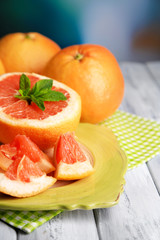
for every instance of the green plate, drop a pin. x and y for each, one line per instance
(100, 190)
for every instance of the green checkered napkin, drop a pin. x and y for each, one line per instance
(138, 137)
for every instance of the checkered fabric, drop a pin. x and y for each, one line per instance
(27, 221)
(138, 137)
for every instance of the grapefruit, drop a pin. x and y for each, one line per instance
(20, 146)
(23, 169)
(42, 127)
(73, 161)
(2, 69)
(24, 179)
(28, 52)
(93, 72)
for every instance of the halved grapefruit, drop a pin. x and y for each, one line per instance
(43, 127)
(20, 146)
(72, 159)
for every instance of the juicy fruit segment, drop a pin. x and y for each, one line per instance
(25, 189)
(73, 160)
(68, 150)
(25, 146)
(23, 169)
(20, 174)
(21, 146)
(20, 109)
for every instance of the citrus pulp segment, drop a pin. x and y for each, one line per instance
(72, 159)
(20, 146)
(21, 189)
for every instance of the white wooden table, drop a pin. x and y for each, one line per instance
(137, 216)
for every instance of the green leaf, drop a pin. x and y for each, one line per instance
(24, 83)
(42, 86)
(22, 97)
(38, 102)
(53, 96)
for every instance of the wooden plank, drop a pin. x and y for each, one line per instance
(154, 168)
(146, 99)
(154, 68)
(141, 91)
(39, 233)
(7, 232)
(154, 165)
(137, 216)
(69, 225)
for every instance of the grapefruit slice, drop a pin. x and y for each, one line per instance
(22, 169)
(72, 159)
(23, 179)
(43, 127)
(17, 188)
(20, 146)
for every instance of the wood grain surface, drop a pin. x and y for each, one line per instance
(137, 216)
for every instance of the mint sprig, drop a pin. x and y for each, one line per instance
(40, 92)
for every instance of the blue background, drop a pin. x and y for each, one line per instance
(129, 28)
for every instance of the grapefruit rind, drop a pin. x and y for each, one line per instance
(42, 132)
(21, 189)
(73, 171)
(77, 170)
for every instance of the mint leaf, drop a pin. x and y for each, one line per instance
(53, 96)
(24, 83)
(40, 92)
(42, 86)
(38, 102)
(22, 97)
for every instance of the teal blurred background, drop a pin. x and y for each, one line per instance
(130, 29)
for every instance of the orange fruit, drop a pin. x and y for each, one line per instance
(21, 146)
(42, 127)
(94, 73)
(28, 52)
(72, 160)
(23, 179)
(2, 69)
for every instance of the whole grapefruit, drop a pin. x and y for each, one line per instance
(26, 52)
(94, 73)
(2, 69)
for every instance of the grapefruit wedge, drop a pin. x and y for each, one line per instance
(20, 146)
(43, 127)
(72, 159)
(24, 179)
